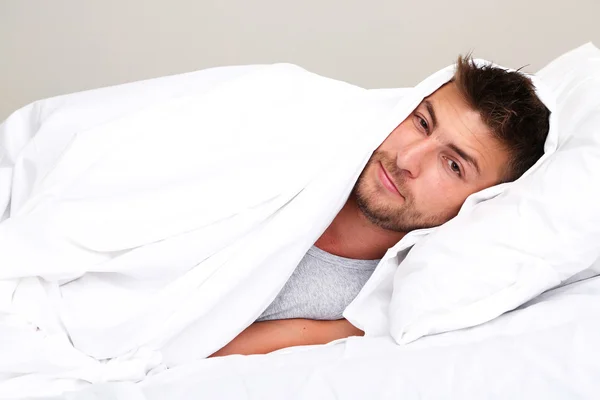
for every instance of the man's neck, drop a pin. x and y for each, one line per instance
(352, 235)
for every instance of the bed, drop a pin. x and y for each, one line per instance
(518, 329)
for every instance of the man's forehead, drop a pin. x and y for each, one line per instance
(448, 94)
(452, 113)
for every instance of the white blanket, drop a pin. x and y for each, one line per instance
(146, 225)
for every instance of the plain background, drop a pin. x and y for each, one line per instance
(61, 46)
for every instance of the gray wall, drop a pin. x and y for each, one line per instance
(60, 46)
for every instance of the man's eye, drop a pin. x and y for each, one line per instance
(423, 123)
(454, 167)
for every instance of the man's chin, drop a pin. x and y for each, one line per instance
(380, 215)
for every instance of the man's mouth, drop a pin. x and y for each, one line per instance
(387, 182)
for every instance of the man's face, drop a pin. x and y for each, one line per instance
(422, 173)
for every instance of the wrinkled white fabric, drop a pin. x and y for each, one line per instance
(146, 225)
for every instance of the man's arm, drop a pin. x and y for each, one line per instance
(267, 336)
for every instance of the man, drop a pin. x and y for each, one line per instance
(485, 127)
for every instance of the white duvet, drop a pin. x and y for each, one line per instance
(146, 225)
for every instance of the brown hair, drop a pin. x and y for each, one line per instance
(509, 106)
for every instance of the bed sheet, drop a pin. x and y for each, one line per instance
(546, 349)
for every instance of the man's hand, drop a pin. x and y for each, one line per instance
(267, 336)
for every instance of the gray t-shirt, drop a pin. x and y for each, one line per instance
(321, 287)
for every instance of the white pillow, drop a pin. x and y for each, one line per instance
(537, 233)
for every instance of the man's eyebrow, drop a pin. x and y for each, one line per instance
(431, 112)
(465, 156)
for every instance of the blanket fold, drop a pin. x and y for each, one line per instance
(155, 233)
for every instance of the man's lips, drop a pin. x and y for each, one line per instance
(387, 181)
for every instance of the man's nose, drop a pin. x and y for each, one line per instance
(412, 157)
